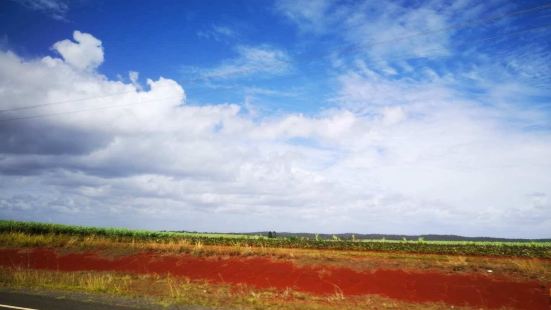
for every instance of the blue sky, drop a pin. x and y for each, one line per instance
(326, 116)
(192, 36)
(185, 36)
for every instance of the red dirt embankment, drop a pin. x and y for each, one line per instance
(453, 289)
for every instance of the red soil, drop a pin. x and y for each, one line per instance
(453, 289)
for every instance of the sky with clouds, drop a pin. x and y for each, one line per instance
(405, 117)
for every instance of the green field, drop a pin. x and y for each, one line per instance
(514, 249)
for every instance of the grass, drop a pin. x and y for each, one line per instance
(45, 228)
(508, 249)
(514, 267)
(166, 291)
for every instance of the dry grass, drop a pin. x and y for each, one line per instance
(518, 268)
(167, 291)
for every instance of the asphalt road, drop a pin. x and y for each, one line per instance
(22, 301)
(46, 300)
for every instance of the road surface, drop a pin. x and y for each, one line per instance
(23, 301)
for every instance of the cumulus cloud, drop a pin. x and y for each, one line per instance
(85, 53)
(390, 158)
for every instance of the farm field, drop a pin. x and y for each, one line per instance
(275, 154)
(255, 272)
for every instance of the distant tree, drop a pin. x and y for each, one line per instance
(270, 235)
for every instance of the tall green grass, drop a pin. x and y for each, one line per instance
(516, 249)
(137, 234)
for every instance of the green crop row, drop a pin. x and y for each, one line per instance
(518, 249)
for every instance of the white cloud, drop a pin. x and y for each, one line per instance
(258, 61)
(397, 157)
(393, 31)
(368, 90)
(381, 31)
(310, 16)
(86, 53)
(218, 33)
(393, 115)
(57, 9)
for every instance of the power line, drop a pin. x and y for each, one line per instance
(71, 101)
(468, 24)
(453, 26)
(478, 40)
(456, 26)
(81, 110)
(485, 39)
(464, 51)
(61, 102)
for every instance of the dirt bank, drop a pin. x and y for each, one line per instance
(462, 290)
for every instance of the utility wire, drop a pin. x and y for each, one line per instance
(71, 100)
(61, 102)
(456, 26)
(486, 39)
(82, 110)
(468, 24)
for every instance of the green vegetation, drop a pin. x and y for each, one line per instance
(47, 228)
(517, 249)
